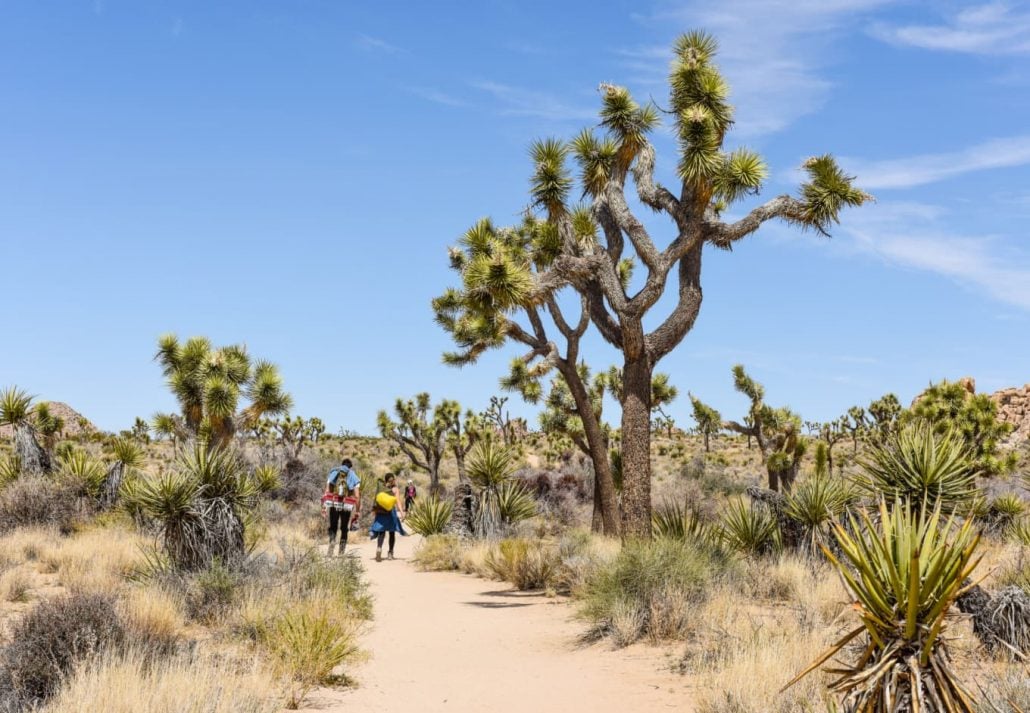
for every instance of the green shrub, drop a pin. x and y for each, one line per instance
(430, 516)
(528, 564)
(747, 529)
(439, 553)
(212, 592)
(1004, 511)
(51, 640)
(816, 501)
(649, 589)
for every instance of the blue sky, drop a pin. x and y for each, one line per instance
(289, 175)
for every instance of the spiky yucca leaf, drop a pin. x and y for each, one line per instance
(748, 529)
(828, 191)
(83, 472)
(127, 452)
(15, 406)
(742, 174)
(490, 464)
(676, 520)
(515, 503)
(816, 501)
(265, 478)
(918, 464)
(10, 469)
(551, 182)
(430, 516)
(905, 568)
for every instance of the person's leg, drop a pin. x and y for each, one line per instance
(334, 523)
(393, 539)
(379, 546)
(345, 516)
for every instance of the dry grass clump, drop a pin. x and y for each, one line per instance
(528, 564)
(154, 618)
(1006, 690)
(95, 560)
(26, 544)
(650, 589)
(132, 683)
(15, 585)
(439, 553)
(30, 501)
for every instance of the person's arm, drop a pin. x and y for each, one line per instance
(400, 500)
(357, 496)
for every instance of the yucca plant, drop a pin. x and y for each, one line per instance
(10, 469)
(515, 502)
(266, 478)
(678, 521)
(200, 507)
(748, 529)
(905, 568)
(499, 502)
(919, 465)
(430, 516)
(82, 473)
(16, 411)
(815, 502)
(1019, 531)
(1003, 511)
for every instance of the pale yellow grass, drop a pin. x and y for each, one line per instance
(154, 614)
(15, 585)
(95, 560)
(131, 684)
(26, 544)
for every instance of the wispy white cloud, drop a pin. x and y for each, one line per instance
(930, 168)
(993, 28)
(773, 52)
(517, 101)
(917, 236)
(376, 44)
(437, 97)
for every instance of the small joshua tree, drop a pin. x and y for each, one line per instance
(586, 247)
(420, 434)
(777, 431)
(709, 421)
(212, 385)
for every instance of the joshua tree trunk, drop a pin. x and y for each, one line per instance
(708, 448)
(606, 508)
(112, 483)
(636, 448)
(35, 460)
(459, 458)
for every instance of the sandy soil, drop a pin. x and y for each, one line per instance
(452, 642)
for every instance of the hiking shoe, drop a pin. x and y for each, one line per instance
(389, 555)
(379, 555)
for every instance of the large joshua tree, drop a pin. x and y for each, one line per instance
(211, 385)
(587, 247)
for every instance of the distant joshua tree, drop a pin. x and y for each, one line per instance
(709, 421)
(421, 432)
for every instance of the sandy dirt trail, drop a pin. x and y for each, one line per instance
(452, 642)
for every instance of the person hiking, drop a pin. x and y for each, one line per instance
(387, 518)
(409, 495)
(342, 499)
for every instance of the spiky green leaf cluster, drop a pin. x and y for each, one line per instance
(551, 182)
(905, 568)
(921, 465)
(211, 384)
(430, 516)
(709, 421)
(15, 406)
(827, 191)
(748, 529)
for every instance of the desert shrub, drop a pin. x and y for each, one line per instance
(52, 639)
(439, 553)
(920, 465)
(210, 593)
(14, 585)
(307, 645)
(36, 500)
(430, 516)
(154, 620)
(1006, 691)
(750, 530)
(649, 589)
(905, 568)
(135, 683)
(528, 564)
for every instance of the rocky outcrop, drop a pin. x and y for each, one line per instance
(1014, 407)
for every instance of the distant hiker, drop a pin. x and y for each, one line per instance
(342, 501)
(387, 519)
(409, 495)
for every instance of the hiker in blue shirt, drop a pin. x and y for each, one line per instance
(343, 501)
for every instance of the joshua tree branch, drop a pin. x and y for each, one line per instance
(723, 235)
